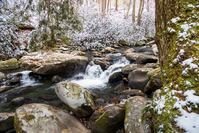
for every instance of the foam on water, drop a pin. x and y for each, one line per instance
(95, 77)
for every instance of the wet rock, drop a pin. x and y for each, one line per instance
(130, 93)
(6, 121)
(76, 98)
(138, 78)
(110, 121)
(99, 102)
(56, 79)
(14, 81)
(35, 118)
(9, 64)
(140, 43)
(130, 50)
(133, 113)
(6, 88)
(143, 59)
(109, 50)
(115, 77)
(18, 101)
(120, 88)
(155, 81)
(103, 62)
(155, 49)
(2, 77)
(96, 54)
(128, 68)
(50, 63)
(132, 57)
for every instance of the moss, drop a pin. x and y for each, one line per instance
(18, 125)
(29, 117)
(101, 122)
(152, 73)
(9, 64)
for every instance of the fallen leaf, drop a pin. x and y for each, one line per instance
(63, 130)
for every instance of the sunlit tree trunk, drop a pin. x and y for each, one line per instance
(129, 5)
(103, 8)
(177, 34)
(133, 12)
(116, 2)
(146, 30)
(140, 13)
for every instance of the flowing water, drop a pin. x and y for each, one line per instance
(41, 89)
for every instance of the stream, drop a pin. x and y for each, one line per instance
(40, 89)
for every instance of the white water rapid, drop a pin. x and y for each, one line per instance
(95, 77)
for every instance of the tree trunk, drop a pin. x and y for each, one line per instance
(140, 12)
(133, 12)
(177, 34)
(129, 5)
(116, 5)
(146, 30)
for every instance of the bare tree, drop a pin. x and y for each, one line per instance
(140, 12)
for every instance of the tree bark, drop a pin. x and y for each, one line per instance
(133, 12)
(140, 13)
(116, 2)
(177, 34)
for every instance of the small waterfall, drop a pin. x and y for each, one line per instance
(26, 80)
(95, 77)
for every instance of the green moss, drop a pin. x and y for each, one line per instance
(9, 64)
(101, 122)
(18, 125)
(29, 117)
(152, 73)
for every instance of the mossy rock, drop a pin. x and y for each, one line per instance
(140, 43)
(124, 43)
(110, 121)
(9, 64)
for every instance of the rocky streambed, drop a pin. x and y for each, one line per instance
(96, 91)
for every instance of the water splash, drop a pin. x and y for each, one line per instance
(95, 77)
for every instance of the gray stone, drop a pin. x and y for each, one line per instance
(50, 63)
(109, 50)
(144, 59)
(140, 43)
(133, 115)
(131, 93)
(130, 67)
(132, 57)
(76, 98)
(115, 77)
(42, 118)
(120, 88)
(130, 50)
(6, 121)
(138, 78)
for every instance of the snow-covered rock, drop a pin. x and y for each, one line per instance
(42, 118)
(155, 49)
(76, 98)
(50, 63)
(133, 113)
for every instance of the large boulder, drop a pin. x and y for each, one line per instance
(2, 77)
(130, 50)
(103, 62)
(6, 121)
(132, 57)
(110, 121)
(50, 63)
(143, 59)
(9, 64)
(130, 67)
(133, 115)
(42, 118)
(138, 78)
(76, 98)
(120, 88)
(155, 81)
(115, 77)
(131, 93)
